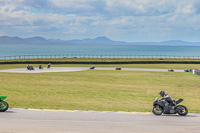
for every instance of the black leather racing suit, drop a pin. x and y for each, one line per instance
(168, 99)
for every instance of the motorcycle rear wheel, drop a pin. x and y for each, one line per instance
(157, 112)
(182, 110)
(4, 107)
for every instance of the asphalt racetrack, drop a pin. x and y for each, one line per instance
(35, 121)
(71, 69)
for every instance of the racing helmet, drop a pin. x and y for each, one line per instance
(162, 93)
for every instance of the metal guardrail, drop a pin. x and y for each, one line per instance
(195, 71)
(97, 56)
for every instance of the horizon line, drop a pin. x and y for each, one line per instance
(101, 37)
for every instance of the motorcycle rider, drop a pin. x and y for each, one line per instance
(49, 65)
(27, 66)
(167, 98)
(39, 66)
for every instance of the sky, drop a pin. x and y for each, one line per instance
(122, 20)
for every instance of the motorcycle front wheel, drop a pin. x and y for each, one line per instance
(157, 111)
(182, 110)
(3, 106)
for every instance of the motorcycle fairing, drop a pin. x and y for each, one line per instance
(2, 98)
(160, 103)
(169, 110)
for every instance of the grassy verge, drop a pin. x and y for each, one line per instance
(98, 90)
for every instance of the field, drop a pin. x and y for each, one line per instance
(129, 91)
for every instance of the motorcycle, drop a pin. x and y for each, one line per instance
(41, 67)
(186, 70)
(30, 68)
(3, 105)
(170, 70)
(48, 66)
(93, 67)
(118, 68)
(160, 108)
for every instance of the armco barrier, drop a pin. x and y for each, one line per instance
(195, 71)
(96, 62)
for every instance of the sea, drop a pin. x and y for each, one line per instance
(17, 49)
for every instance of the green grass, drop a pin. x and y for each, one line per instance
(128, 91)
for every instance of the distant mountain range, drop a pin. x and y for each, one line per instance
(96, 41)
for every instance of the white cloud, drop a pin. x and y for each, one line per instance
(72, 3)
(139, 7)
(129, 19)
